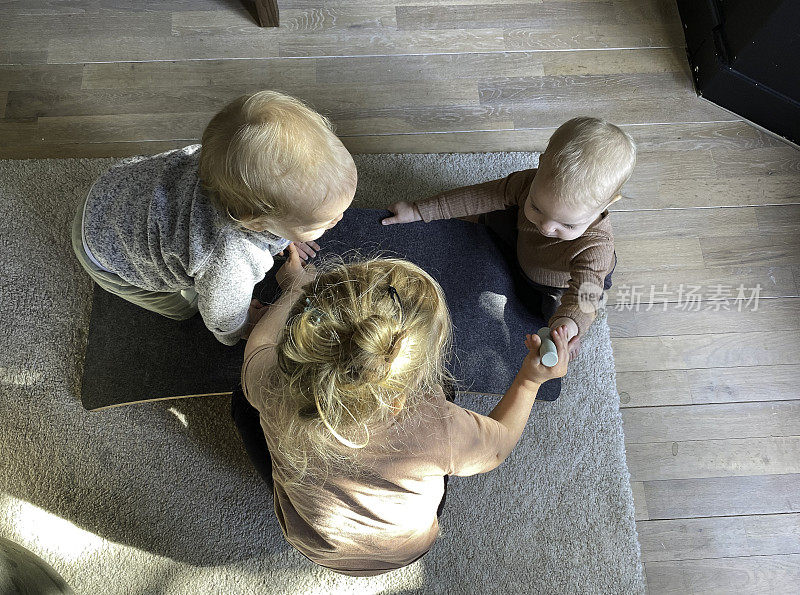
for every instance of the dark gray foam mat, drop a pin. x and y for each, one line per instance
(134, 355)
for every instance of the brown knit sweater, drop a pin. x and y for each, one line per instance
(547, 261)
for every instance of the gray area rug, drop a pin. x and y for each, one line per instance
(160, 497)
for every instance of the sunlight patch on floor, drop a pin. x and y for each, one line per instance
(36, 528)
(19, 376)
(494, 304)
(181, 417)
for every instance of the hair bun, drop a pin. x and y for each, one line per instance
(375, 343)
(395, 346)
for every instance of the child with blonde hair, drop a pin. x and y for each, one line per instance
(346, 372)
(555, 219)
(195, 229)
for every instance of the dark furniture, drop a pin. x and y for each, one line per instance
(267, 13)
(744, 57)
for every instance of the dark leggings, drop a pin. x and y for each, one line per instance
(248, 424)
(247, 421)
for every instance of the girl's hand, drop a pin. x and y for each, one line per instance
(532, 371)
(404, 212)
(306, 250)
(293, 274)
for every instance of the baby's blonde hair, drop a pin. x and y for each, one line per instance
(266, 155)
(587, 161)
(363, 336)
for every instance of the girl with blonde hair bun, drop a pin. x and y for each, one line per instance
(345, 373)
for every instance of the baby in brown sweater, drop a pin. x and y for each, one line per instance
(555, 217)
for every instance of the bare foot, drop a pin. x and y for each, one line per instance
(574, 347)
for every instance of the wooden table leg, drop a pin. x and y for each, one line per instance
(267, 13)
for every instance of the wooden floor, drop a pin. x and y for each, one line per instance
(710, 393)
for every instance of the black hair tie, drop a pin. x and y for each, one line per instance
(395, 298)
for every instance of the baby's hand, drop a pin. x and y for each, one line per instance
(404, 212)
(533, 370)
(574, 345)
(292, 273)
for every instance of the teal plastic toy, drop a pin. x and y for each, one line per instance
(547, 351)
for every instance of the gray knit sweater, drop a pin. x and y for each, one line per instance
(150, 221)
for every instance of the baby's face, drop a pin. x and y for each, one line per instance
(308, 226)
(553, 219)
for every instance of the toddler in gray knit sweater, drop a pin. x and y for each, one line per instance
(195, 229)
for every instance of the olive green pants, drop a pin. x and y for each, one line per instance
(178, 305)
